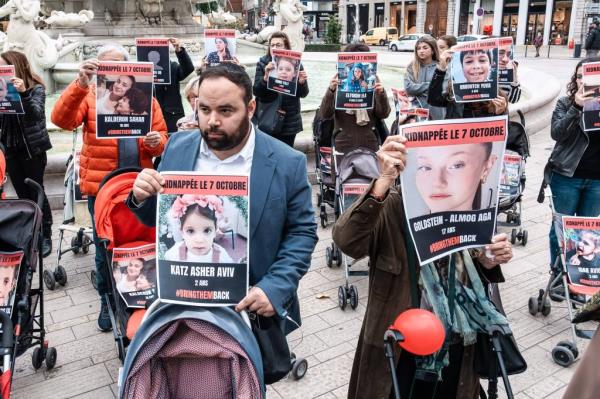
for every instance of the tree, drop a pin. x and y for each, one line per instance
(333, 32)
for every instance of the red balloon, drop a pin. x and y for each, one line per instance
(422, 330)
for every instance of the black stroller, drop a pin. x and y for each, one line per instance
(322, 135)
(23, 306)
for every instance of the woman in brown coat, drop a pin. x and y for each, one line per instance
(373, 227)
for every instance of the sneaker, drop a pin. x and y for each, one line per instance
(46, 246)
(104, 319)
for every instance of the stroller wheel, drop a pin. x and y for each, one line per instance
(513, 236)
(571, 346)
(86, 245)
(353, 297)
(329, 257)
(532, 305)
(50, 358)
(60, 275)
(49, 280)
(524, 236)
(323, 220)
(338, 257)
(546, 308)
(94, 281)
(319, 199)
(37, 358)
(342, 297)
(75, 246)
(563, 356)
(299, 368)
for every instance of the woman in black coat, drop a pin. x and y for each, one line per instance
(25, 137)
(292, 124)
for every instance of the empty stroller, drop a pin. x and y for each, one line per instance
(513, 179)
(23, 306)
(322, 132)
(117, 227)
(180, 351)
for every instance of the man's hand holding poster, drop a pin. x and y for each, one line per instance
(10, 100)
(506, 64)
(582, 250)
(203, 239)
(474, 71)
(219, 46)
(450, 184)
(124, 99)
(357, 75)
(156, 51)
(283, 78)
(134, 272)
(591, 92)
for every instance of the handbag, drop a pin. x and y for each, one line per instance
(486, 359)
(270, 117)
(273, 346)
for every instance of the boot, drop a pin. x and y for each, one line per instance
(46, 246)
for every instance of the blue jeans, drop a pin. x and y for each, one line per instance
(572, 196)
(101, 266)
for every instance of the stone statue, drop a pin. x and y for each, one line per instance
(292, 11)
(262, 36)
(60, 19)
(41, 51)
(150, 11)
(221, 18)
(176, 16)
(108, 18)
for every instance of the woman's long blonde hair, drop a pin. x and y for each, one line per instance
(415, 66)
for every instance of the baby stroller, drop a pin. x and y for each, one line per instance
(76, 220)
(322, 131)
(117, 227)
(180, 351)
(23, 306)
(513, 179)
(354, 167)
(560, 288)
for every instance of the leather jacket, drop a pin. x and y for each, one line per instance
(571, 141)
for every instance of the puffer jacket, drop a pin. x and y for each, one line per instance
(77, 105)
(290, 104)
(32, 125)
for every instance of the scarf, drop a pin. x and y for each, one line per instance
(362, 116)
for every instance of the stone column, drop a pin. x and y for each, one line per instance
(343, 19)
(421, 11)
(522, 23)
(497, 28)
(577, 25)
(548, 20)
(476, 20)
(450, 20)
(371, 24)
(456, 17)
(386, 13)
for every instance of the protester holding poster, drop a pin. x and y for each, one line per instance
(25, 137)
(356, 73)
(582, 250)
(508, 81)
(356, 127)
(219, 45)
(419, 73)
(10, 100)
(155, 51)
(99, 157)
(376, 226)
(284, 76)
(134, 273)
(591, 90)
(282, 228)
(290, 105)
(574, 170)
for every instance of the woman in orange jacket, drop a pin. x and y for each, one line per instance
(77, 105)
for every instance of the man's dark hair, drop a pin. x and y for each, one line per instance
(357, 48)
(232, 72)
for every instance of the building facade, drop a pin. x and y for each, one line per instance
(559, 21)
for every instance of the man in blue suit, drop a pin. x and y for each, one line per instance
(282, 224)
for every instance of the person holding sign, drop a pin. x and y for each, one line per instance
(507, 67)
(99, 157)
(25, 137)
(376, 226)
(221, 54)
(282, 226)
(290, 105)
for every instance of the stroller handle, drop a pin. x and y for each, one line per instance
(7, 333)
(39, 191)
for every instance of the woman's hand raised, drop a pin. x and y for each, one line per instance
(86, 71)
(500, 250)
(392, 160)
(270, 66)
(445, 59)
(499, 104)
(334, 83)
(302, 77)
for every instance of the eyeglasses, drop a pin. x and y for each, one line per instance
(579, 76)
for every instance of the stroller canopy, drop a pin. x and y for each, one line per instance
(359, 165)
(180, 351)
(114, 220)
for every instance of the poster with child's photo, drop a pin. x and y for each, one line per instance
(404, 106)
(450, 183)
(155, 51)
(219, 45)
(474, 71)
(357, 75)
(10, 99)
(510, 179)
(202, 239)
(591, 91)
(283, 78)
(506, 63)
(582, 250)
(124, 99)
(134, 273)
(10, 263)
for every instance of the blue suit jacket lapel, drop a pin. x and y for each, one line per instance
(261, 175)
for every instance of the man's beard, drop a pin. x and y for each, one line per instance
(227, 141)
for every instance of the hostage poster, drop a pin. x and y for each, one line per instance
(591, 90)
(10, 99)
(357, 74)
(474, 71)
(506, 65)
(284, 77)
(124, 99)
(134, 272)
(202, 238)
(351, 192)
(511, 175)
(582, 250)
(404, 106)
(450, 183)
(10, 263)
(219, 45)
(156, 51)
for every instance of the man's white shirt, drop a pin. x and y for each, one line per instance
(237, 164)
